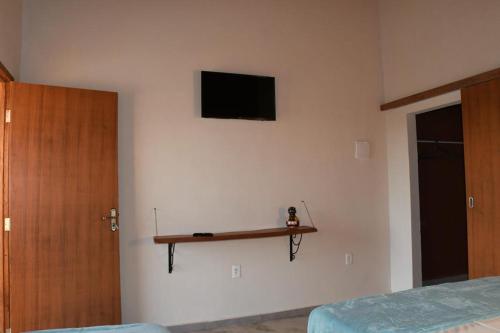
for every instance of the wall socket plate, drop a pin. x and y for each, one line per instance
(236, 271)
(348, 258)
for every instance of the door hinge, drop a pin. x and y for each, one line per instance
(6, 224)
(471, 202)
(7, 115)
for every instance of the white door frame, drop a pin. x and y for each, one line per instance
(404, 209)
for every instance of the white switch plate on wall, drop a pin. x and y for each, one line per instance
(362, 150)
(236, 271)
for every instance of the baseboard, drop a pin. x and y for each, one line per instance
(187, 328)
(455, 278)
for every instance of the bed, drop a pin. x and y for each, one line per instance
(129, 328)
(468, 306)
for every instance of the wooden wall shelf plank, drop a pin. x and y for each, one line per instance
(262, 233)
(171, 240)
(457, 85)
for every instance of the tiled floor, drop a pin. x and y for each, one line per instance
(290, 325)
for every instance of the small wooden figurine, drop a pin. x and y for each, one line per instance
(293, 220)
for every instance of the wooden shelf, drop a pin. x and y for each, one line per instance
(262, 233)
(292, 233)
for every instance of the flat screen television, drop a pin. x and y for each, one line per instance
(237, 96)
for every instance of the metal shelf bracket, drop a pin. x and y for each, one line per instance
(294, 246)
(171, 251)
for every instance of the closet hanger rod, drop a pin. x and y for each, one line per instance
(442, 141)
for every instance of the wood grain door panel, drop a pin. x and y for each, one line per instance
(481, 120)
(4, 287)
(64, 260)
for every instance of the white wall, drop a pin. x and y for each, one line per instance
(425, 43)
(220, 175)
(10, 35)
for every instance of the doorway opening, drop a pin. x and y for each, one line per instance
(441, 182)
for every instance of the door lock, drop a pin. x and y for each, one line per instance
(112, 217)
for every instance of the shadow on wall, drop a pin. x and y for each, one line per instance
(127, 198)
(197, 93)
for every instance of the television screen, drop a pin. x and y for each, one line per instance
(237, 96)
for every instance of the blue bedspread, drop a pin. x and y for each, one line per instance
(427, 309)
(129, 328)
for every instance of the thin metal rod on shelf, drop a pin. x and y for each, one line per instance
(441, 141)
(156, 222)
(307, 210)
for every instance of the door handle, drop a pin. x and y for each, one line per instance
(471, 202)
(112, 217)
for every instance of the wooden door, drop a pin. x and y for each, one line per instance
(4, 287)
(481, 120)
(62, 178)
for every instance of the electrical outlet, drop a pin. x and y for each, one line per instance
(236, 271)
(348, 259)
